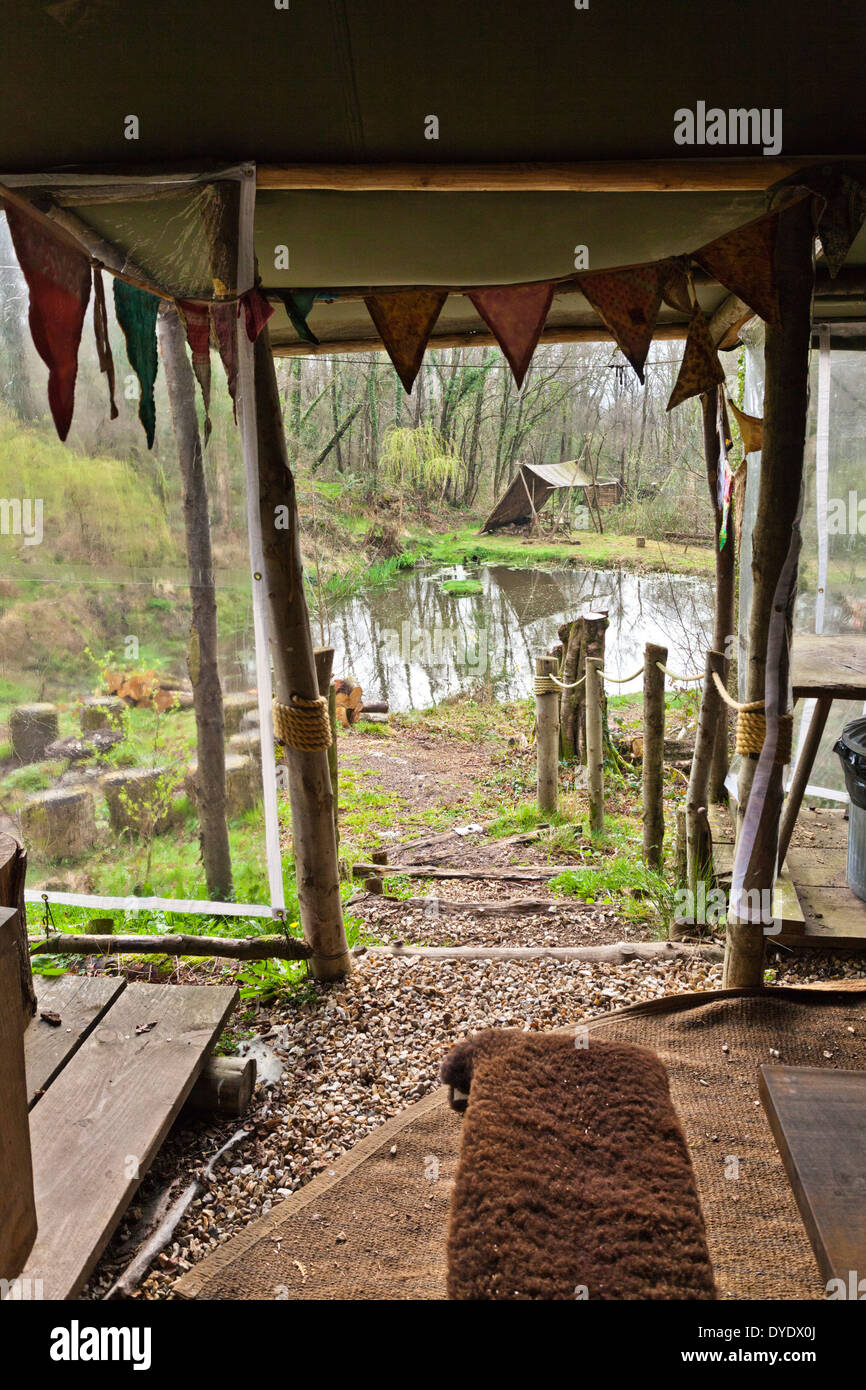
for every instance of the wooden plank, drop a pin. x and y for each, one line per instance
(834, 666)
(834, 918)
(821, 826)
(97, 1128)
(818, 1119)
(746, 173)
(786, 903)
(17, 1209)
(81, 1001)
(721, 825)
(819, 866)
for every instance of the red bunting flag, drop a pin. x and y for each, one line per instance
(58, 278)
(257, 311)
(404, 322)
(744, 262)
(224, 318)
(515, 315)
(196, 318)
(700, 369)
(627, 301)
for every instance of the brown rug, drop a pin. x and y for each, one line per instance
(574, 1177)
(375, 1226)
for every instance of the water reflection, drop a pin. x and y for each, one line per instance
(413, 644)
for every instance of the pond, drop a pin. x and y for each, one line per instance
(414, 643)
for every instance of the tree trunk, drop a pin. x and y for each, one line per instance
(653, 769)
(203, 639)
(723, 622)
(310, 794)
(786, 398)
(547, 737)
(696, 799)
(595, 744)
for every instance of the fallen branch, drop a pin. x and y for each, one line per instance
(517, 874)
(508, 907)
(238, 947)
(135, 1271)
(618, 954)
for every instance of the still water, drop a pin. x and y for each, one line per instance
(412, 643)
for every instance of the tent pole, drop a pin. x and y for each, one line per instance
(774, 542)
(310, 791)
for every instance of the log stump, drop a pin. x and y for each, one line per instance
(243, 784)
(31, 729)
(60, 823)
(101, 712)
(234, 709)
(137, 799)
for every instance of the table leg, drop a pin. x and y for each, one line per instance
(802, 773)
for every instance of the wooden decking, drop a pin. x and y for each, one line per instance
(812, 899)
(104, 1086)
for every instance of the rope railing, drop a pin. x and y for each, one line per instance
(546, 685)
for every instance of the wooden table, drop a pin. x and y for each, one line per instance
(818, 1119)
(823, 669)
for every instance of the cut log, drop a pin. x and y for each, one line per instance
(349, 700)
(225, 1086)
(516, 873)
(507, 907)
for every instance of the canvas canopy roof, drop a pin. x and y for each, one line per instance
(537, 481)
(289, 89)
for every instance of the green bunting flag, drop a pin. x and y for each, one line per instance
(136, 313)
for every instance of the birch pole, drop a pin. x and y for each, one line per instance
(547, 734)
(786, 400)
(310, 792)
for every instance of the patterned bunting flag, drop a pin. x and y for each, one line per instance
(627, 301)
(103, 342)
(257, 311)
(841, 219)
(700, 369)
(136, 313)
(677, 287)
(515, 315)
(743, 261)
(224, 318)
(751, 429)
(196, 318)
(404, 322)
(58, 278)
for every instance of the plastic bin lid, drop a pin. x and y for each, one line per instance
(853, 738)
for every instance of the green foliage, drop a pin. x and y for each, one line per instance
(622, 880)
(459, 587)
(418, 461)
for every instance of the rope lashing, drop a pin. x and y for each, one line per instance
(752, 726)
(548, 685)
(303, 724)
(682, 680)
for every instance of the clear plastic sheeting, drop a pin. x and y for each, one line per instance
(833, 557)
(98, 745)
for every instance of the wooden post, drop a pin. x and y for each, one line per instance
(723, 620)
(17, 1206)
(225, 1086)
(571, 701)
(324, 659)
(653, 754)
(595, 744)
(697, 826)
(376, 884)
(802, 772)
(310, 793)
(547, 736)
(210, 774)
(786, 393)
(13, 870)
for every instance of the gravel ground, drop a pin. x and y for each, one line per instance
(356, 1055)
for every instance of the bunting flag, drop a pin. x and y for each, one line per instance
(677, 290)
(257, 311)
(136, 313)
(224, 318)
(298, 304)
(841, 219)
(196, 319)
(743, 261)
(515, 316)
(700, 369)
(751, 429)
(740, 479)
(58, 278)
(103, 342)
(404, 322)
(627, 301)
